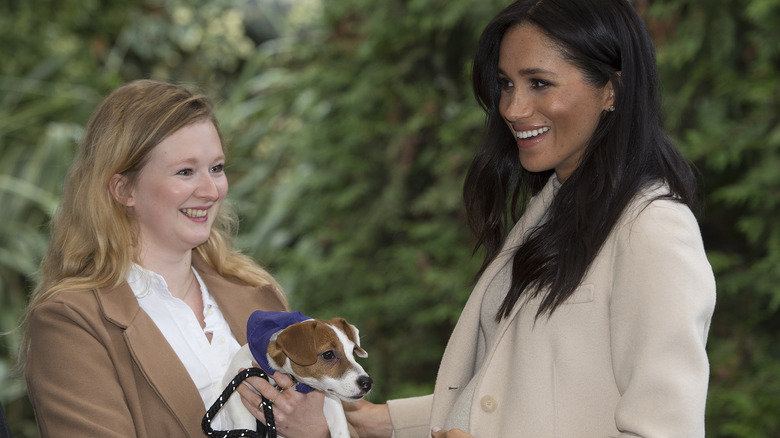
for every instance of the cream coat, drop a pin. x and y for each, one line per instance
(99, 367)
(625, 356)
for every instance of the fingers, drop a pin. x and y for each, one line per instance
(369, 419)
(295, 413)
(452, 433)
(283, 381)
(255, 388)
(300, 414)
(250, 392)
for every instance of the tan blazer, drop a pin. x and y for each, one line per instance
(98, 365)
(624, 356)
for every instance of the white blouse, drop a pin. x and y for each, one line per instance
(206, 362)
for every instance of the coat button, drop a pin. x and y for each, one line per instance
(488, 404)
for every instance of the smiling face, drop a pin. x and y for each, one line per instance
(546, 102)
(177, 194)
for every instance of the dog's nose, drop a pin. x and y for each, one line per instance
(365, 383)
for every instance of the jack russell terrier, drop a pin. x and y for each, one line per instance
(316, 353)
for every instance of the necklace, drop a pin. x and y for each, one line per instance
(189, 287)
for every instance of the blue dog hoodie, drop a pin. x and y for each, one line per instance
(259, 329)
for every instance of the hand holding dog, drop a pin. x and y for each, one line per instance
(296, 414)
(373, 421)
(370, 420)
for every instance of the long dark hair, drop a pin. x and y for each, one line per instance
(608, 42)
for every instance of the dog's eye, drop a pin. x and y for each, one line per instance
(328, 355)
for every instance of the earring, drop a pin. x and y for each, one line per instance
(611, 108)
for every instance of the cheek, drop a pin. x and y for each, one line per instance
(576, 120)
(586, 125)
(151, 195)
(221, 184)
(176, 193)
(222, 187)
(563, 110)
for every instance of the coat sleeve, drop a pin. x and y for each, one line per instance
(70, 378)
(411, 416)
(661, 306)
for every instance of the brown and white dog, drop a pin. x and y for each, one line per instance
(317, 353)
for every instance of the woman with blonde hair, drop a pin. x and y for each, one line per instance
(143, 300)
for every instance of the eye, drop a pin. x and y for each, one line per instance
(539, 83)
(504, 83)
(219, 168)
(328, 356)
(185, 172)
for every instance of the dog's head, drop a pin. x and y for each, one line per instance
(320, 353)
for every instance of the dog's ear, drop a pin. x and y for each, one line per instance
(352, 333)
(297, 342)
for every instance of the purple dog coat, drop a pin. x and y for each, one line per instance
(259, 329)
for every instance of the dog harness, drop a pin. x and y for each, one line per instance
(261, 327)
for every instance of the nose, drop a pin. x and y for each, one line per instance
(515, 106)
(365, 383)
(207, 188)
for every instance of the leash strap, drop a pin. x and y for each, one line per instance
(263, 430)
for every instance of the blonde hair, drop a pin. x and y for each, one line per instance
(93, 238)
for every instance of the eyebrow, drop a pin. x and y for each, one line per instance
(191, 161)
(530, 72)
(183, 162)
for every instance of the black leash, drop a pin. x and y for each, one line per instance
(263, 430)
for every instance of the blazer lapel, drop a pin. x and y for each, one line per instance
(533, 217)
(236, 299)
(155, 358)
(457, 365)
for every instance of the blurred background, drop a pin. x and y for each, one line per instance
(351, 124)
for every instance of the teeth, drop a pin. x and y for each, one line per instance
(194, 213)
(532, 133)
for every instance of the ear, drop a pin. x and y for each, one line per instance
(120, 190)
(609, 94)
(297, 342)
(352, 333)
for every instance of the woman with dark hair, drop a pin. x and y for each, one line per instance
(591, 313)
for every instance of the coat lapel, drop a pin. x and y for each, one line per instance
(236, 300)
(154, 357)
(458, 363)
(533, 217)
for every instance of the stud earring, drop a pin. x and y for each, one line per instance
(611, 108)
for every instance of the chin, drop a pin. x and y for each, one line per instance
(534, 168)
